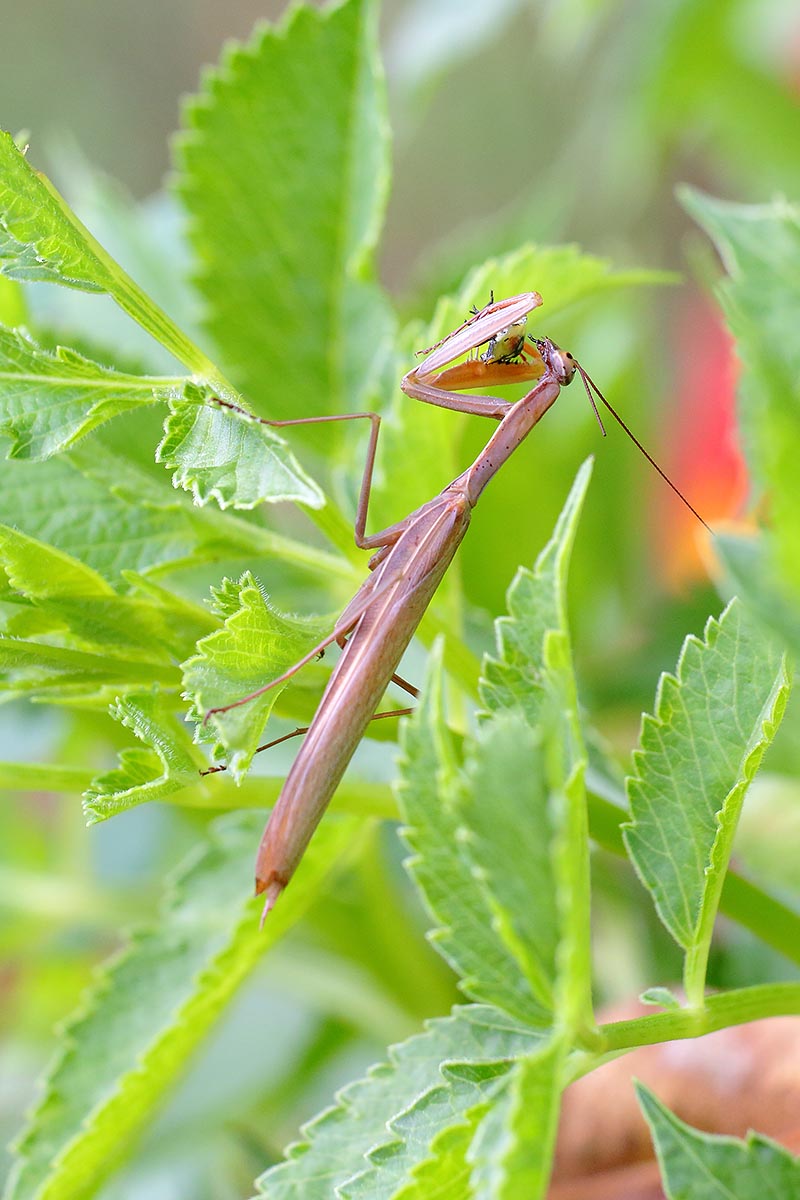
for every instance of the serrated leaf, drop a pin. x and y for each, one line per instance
(507, 804)
(256, 644)
(76, 604)
(446, 1171)
(479, 1040)
(58, 671)
(40, 239)
(60, 505)
(533, 675)
(427, 792)
(699, 752)
(103, 509)
(434, 1134)
(503, 801)
(702, 1166)
(760, 246)
(519, 677)
(226, 456)
(50, 400)
(168, 763)
(513, 1150)
(284, 238)
(155, 1003)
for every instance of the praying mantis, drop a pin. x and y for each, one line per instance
(410, 557)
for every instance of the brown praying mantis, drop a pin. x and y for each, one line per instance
(410, 559)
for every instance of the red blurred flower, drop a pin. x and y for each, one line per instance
(703, 456)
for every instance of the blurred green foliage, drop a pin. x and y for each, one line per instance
(541, 123)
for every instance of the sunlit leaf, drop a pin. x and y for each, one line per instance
(256, 644)
(50, 400)
(167, 763)
(229, 457)
(284, 172)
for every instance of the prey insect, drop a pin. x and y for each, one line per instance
(410, 557)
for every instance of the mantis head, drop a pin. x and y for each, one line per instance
(559, 361)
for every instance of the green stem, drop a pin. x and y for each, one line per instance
(735, 1007)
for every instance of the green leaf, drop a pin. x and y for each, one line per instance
(432, 1138)
(750, 566)
(760, 246)
(284, 172)
(519, 795)
(513, 1151)
(57, 503)
(105, 510)
(75, 603)
(168, 764)
(50, 400)
(699, 752)
(475, 1044)
(701, 1166)
(503, 802)
(230, 457)
(428, 793)
(60, 672)
(445, 1171)
(40, 572)
(39, 238)
(256, 644)
(533, 674)
(42, 240)
(520, 677)
(155, 1003)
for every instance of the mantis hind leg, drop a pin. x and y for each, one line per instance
(301, 729)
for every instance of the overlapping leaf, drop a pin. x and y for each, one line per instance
(465, 825)
(429, 793)
(512, 1152)
(167, 763)
(42, 240)
(474, 1045)
(256, 644)
(50, 400)
(71, 601)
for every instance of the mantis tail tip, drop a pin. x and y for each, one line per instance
(273, 891)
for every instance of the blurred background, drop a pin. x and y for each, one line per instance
(513, 121)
